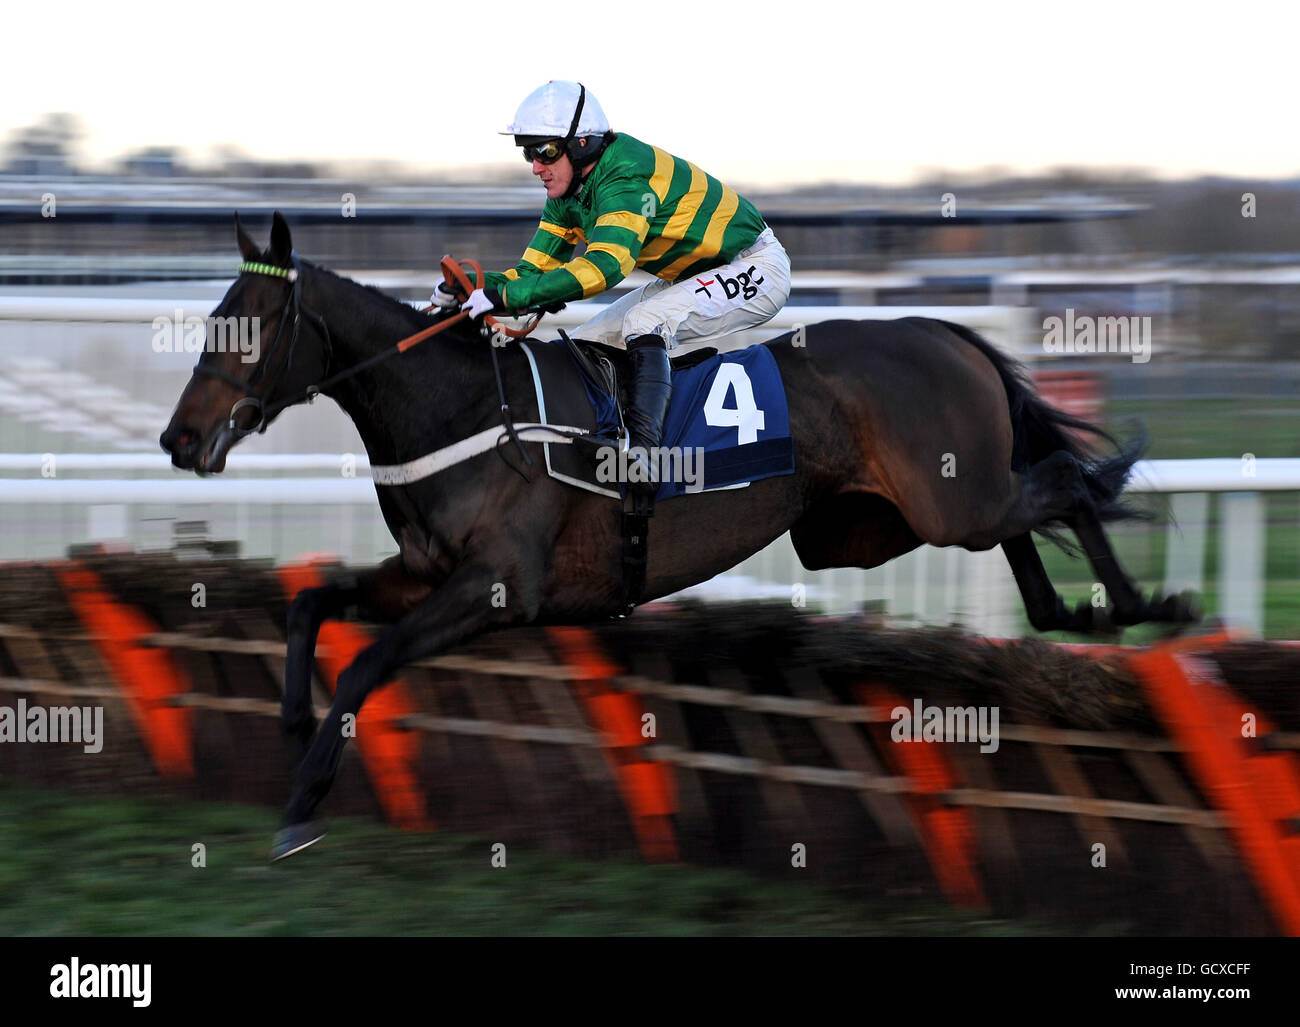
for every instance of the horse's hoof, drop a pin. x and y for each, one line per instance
(1181, 612)
(1097, 621)
(1186, 607)
(295, 838)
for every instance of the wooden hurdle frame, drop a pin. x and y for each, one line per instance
(934, 798)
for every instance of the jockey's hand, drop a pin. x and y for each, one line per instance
(444, 297)
(482, 301)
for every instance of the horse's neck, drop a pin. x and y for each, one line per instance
(406, 404)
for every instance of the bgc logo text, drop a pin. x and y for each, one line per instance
(744, 284)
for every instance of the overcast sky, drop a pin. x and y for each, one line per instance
(757, 93)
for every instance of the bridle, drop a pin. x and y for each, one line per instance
(292, 312)
(294, 308)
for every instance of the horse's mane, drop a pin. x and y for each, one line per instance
(413, 314)
(374, 290)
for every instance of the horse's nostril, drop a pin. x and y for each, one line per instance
(176, 439)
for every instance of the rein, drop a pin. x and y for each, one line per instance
(294, 307)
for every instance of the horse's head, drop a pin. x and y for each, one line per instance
(251, 357)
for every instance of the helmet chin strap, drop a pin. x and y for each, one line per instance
(576, 184)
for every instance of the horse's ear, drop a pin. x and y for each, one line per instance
(247, 248)
(281, 244)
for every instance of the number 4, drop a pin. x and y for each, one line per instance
(745, 415)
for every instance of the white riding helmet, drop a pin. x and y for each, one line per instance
(559, 110)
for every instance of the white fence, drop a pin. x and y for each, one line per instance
(1008, 327)
(280, 516)
(86, 366)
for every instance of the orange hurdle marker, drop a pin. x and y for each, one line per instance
(947, 833)
(147, 677)
(648, 788)
(1257, 791)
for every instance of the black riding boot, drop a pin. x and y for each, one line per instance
(652, 387)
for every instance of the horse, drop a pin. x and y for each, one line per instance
(905, 432)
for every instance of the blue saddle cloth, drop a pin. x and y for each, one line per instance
(731, 406)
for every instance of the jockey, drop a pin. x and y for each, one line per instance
(718, 268)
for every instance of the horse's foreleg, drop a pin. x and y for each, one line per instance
(460, 608)
(309, 609)
(381, 594)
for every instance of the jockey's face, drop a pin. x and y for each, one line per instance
(558, 175)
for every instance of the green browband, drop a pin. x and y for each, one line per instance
(268, 269)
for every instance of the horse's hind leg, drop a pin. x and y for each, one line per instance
(1046, 609)
(1050, 490)
(1130, 607)
(1054, 489)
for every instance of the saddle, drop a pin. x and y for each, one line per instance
(605, 370)
(731, 406)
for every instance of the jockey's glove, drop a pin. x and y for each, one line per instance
(482, 301)
(444, 297)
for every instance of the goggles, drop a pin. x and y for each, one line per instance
(546, 153)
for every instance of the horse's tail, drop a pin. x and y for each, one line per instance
(1040, 429)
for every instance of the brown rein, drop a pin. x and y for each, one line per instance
(454, 274)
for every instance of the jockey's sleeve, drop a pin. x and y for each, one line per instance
(552, 244)
(549, 274)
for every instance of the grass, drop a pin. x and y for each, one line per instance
(70, 865)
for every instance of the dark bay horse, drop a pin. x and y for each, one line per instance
(905, 432)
